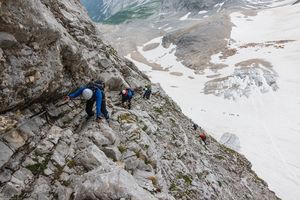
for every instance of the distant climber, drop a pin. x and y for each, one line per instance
(195, 126)
(127, 95)
(93, 92)
(147, 92)
(200, 133)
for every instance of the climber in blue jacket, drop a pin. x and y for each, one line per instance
(92, 93)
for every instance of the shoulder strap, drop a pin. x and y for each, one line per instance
(95, 85)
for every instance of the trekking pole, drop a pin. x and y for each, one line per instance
(27, 120)
(38, 114)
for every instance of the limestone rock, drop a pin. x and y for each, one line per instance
(61, 153)
(92, 158)
(112, 152)
(7, 40)
(21, 178)
(5, 153)
(18, 182)
(5, 175)
(62, 192)
(42, 189)
(113, 185)
(146, 180)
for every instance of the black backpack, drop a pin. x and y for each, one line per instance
(96, 85)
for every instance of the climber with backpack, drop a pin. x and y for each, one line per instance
(127, 95)
(200, 133)
(93, 92)
(147, 92)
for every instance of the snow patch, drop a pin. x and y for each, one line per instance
(202, 12)
(185, 17)
(266, 121)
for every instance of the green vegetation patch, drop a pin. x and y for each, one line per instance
(122, 148)
(38, 168)
(145, 127)
(220, 183)
(187, 178)
(58, 171)
(127, 118)
(158, 110)
(173, 187)
(71, 163)
(66, 183)
(219, 157)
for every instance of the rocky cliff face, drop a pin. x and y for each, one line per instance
(49, 151)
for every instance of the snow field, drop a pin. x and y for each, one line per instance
(267, 124)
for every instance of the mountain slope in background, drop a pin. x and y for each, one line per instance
(116, 12)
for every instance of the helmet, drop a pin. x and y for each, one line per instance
(123, 91)
(87, 94)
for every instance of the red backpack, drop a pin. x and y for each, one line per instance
(202, 136)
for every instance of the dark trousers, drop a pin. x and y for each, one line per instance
(89, 108)
(147, 94)
(127, 99)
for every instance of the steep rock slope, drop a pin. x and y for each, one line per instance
(48, 150)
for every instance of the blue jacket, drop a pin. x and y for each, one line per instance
(98, 96)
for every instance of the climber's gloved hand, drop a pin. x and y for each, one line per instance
(67, 98)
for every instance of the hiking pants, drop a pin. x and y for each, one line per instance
(147, 94)
(127, 99)
(129, 102)
(89, 107)
(104, 110)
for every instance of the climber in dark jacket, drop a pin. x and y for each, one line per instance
(147, 92)
(92, 93)
(127, 95)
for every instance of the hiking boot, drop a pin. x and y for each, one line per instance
(88, 117)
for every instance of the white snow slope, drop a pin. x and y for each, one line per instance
(267, 123)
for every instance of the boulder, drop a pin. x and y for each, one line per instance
(5, 175)
(62, 152)
(15, 139)
(42, 189)
(7, 40)
(112, 152)
(116, 184)
(92, 158)
(5, 153)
